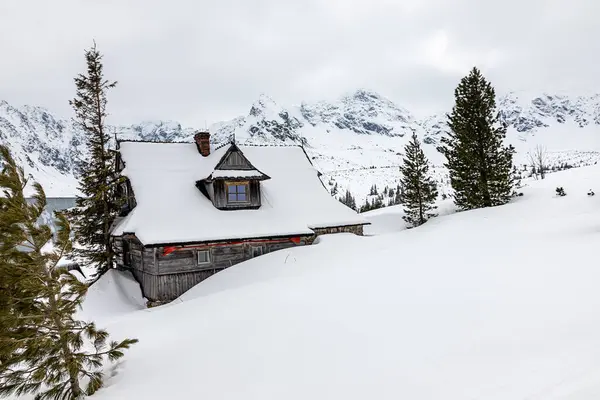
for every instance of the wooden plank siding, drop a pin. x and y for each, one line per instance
(164, 277)
(234, 159)
(171, 286)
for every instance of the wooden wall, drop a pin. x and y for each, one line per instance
(163, 278)
(355, 229)
(125, 192)
(234, 159)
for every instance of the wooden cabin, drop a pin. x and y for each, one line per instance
(192, 210)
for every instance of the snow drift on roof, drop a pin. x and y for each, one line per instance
(237, 173)
(170, 209)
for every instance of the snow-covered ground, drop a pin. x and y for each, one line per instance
(499, 303)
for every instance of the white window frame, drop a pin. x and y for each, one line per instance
(207, 252)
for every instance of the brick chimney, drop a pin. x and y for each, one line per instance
(203, 142)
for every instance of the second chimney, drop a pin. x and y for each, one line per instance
(203, 143)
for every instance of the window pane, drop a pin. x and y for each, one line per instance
(231, 189)
(241, 197)
(241, 189)
(203, 257)
(231, 197)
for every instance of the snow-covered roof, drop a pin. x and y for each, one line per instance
(170, 208)
(237, 173)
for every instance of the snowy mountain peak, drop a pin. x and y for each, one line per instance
(372, 101)
(362, 112)
(263, 105)
(158, 131)
(365, 95)
(528, 112)
(359, 130)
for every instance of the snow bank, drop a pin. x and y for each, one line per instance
(114, 295)
(389, 219)
(499, 303)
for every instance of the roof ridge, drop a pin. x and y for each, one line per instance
(149, 141)
(268, 145)
(217, 146)
(222, 145)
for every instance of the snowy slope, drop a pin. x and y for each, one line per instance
(506, 307)
(356, 140)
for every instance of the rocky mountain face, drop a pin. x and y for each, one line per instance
(360, 131)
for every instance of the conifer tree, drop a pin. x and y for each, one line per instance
(334, 190)
(349, 200)
(98, 205)
(365, 207)
(46, 351)
(420, 190)
(480, 166)
(12, 260)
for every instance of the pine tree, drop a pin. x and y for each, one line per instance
(99, 205)
(365, 207)
(377, 203)
(480, 166)
(349, 200)
(419, 188)
(334, 190)
(12, 259)
(45, 350)
(399, 192)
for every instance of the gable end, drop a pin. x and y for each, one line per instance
(234, 159)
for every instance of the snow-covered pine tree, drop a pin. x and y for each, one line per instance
(45, 350)
(349, 200)
(420, 189)
(365, 207)
(377, 202)
(479, 164)
(398, 198)
(98, 206)
(334, 190)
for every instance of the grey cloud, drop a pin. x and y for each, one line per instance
(201, 60)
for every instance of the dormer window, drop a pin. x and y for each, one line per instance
(234, 184)
(237, 192)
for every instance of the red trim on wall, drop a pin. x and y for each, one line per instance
(170, 249)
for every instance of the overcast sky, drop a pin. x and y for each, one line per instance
(200, 60)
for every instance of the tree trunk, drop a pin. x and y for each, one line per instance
(483, 175)
(420, 197)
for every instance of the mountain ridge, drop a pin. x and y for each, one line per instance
(359, 130)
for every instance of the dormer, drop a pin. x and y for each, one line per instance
(235, 182)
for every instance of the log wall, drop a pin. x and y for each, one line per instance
(356, 229)
(164, 277)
